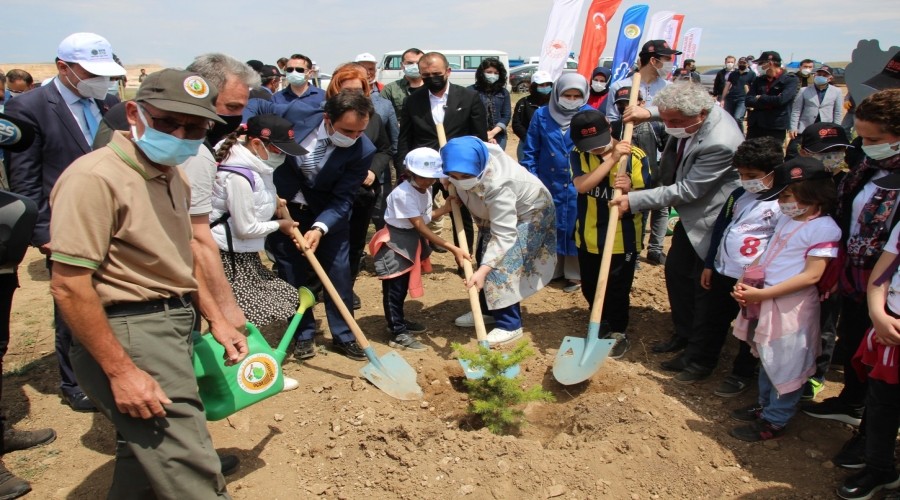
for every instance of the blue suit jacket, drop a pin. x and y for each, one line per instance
(58, 142)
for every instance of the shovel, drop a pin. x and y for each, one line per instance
(390, 373)
(578, 359)
(480, 330)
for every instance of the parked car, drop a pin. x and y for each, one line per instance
(708, 78)
(838, 76)
(520, 77)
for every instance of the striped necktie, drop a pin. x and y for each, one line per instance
(318, 153)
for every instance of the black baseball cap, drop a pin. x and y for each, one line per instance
(768, 56)
(624, 94)
(659, 48)
(257, 65)
(801, 168)
(590, 130)
(889, 78)
(276, 130)
(822, 136)
(267, 71)
(179, 91)
(15, 135)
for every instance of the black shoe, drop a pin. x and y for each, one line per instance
(835, 409)
(852, 454)
(656, 258)
(229, 464)
(674, 344)
(759, 430)
(15, 440)
(305, 349)
(350, 349)
(693, 372)
(676, 364)
(407, 342)
(11, 486)
(750, 413)
(413, 327)
(79, 402)
(865, 483)
(356, 302)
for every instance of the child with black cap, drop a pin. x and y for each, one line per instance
(595, 165)
(785, 332)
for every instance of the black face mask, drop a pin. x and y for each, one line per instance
(742, 67)
(220, 130)
(435, 83)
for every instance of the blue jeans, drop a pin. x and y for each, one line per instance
(659, 225)
(737, 109)
(777, 410)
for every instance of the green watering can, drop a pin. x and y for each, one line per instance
(228, 389)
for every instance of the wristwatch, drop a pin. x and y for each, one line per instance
(319, 229)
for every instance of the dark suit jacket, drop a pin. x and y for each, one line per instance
(59, 141)
(465, 115)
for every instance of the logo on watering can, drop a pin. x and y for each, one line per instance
(257, 373)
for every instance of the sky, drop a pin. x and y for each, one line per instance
(171, 33)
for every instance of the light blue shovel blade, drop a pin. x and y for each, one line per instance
(477, 373)
(392, 374)
(579, 359)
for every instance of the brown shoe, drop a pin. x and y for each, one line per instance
(15, 440)
(11, 486)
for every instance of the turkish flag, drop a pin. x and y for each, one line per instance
(593, 41)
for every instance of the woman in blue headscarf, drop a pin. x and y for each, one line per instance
(514, 212)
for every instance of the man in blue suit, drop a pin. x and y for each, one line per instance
(320, 188)
(66, 114)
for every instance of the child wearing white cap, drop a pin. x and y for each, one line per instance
(401, 247)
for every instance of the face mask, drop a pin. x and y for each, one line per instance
(220, 130)
(296, 78)
(274, 160)
(682, 133)
(881, 151)
(820, 80)
(742, 67)
(94, 88)
(465, 184)
(666, 69)
(436, 83)
(598, 86)
(491, 77)
(411, 70)
(832, 161)
(161, 148)
(805, 71)
(760, 71)
(571, 104)
(790, 209)
(754, 185)
(544, 90)
(729, 66)
(340, 140)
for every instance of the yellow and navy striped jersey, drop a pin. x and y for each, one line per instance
(593, 206)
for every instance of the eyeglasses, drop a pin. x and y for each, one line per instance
(291, 70)
(168, 125)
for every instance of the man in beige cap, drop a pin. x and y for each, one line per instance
(124, 281)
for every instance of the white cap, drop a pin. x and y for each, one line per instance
(424, 162)
(540, 77)
(92, 52)
(365, 57)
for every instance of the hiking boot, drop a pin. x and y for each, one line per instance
(305, 349)
(759, 430)
(467, 320)
(867, 482)
(656, 258)
(15, 440)
(811, 388)
(693, 373)
(350, 349)
(852, 454)
(750, 413)
(11, 486)
(407, 342)
(732, 386)
(835, 409)
(499, 336)
(620, 347)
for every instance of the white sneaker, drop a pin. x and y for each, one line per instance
(500, 337)
(290, 384)
(467, 320)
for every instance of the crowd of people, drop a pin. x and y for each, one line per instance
(153, 213)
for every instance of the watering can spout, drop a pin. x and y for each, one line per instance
(307, 300)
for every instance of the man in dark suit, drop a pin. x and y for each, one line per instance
(458, 108)
(66, 114)
(320, 189)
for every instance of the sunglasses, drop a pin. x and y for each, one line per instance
(291, 70)
(168, 125)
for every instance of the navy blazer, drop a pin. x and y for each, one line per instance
(58, 142)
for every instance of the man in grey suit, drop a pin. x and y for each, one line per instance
(696, 178)
(820, 102)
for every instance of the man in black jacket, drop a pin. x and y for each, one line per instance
(722, 77)
(771, 97)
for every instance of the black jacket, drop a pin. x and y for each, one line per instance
(719, 83)
(772, 103)
(525, 109)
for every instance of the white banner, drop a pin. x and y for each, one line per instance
(690, 43)
(658, 24)
(559, 36)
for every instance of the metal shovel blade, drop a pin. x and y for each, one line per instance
(578, 359)
(392, 374)
(477, 373)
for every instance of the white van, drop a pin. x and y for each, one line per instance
(571, 63)
(462, 62)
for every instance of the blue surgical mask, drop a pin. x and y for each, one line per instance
(544, 90)
(411, 70)
(296, 78)
(820, 80)
(161, 148)
(491, 77)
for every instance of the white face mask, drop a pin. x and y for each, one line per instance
(491, 77)
(881, 151)
(754, 185)
(296, 78)
(598, 86)
(465, 184)
(805, 71)
(666, 69)
(832, 161)
(411, 70)
(93, 88)
(340, 140)
(571, 104)
(729, 66)
(790, 209)
(681, 132)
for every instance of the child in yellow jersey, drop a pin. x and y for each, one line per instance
(595, 165)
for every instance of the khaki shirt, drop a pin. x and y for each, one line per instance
(115, 213)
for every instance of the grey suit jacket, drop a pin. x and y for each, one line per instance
(698, 187)
(807, 107)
